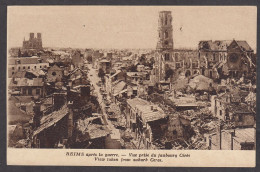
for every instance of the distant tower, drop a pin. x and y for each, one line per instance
(165, 41)
(31, 36)
(39, 35)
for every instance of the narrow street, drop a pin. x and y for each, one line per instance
(94, 79)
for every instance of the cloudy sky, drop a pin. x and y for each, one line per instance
(128, 26)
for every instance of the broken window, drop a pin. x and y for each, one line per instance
(220, 112)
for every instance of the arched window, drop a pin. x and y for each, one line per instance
(166, 34)
(176, 56)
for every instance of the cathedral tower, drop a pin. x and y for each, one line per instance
(164, 63)
(165, 40)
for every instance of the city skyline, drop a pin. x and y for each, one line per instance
(132, 27)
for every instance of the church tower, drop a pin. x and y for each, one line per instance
(165, 39)
(164, 48)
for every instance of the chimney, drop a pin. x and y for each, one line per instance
(70, 119)
(58, 100)
(37, 114)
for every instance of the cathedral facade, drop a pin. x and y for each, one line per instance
(33, 42)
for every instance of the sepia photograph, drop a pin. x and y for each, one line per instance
(173, 78)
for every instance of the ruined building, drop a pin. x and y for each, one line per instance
(213, 59)
(33, 42)
(225, 58)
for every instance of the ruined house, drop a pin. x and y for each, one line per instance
(232, 107)
(28, 87)
(145, 119)
(179, 128)
(233, 139)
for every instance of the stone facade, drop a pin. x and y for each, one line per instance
(33, 42)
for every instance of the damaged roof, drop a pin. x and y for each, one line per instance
(118, 87)
(37, 82)
(136, 101)
(51, 119)
(222, 45)
(245, 135)
(150, 113)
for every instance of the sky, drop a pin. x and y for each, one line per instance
(129, 26)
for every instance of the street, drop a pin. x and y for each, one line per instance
(94, 79)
